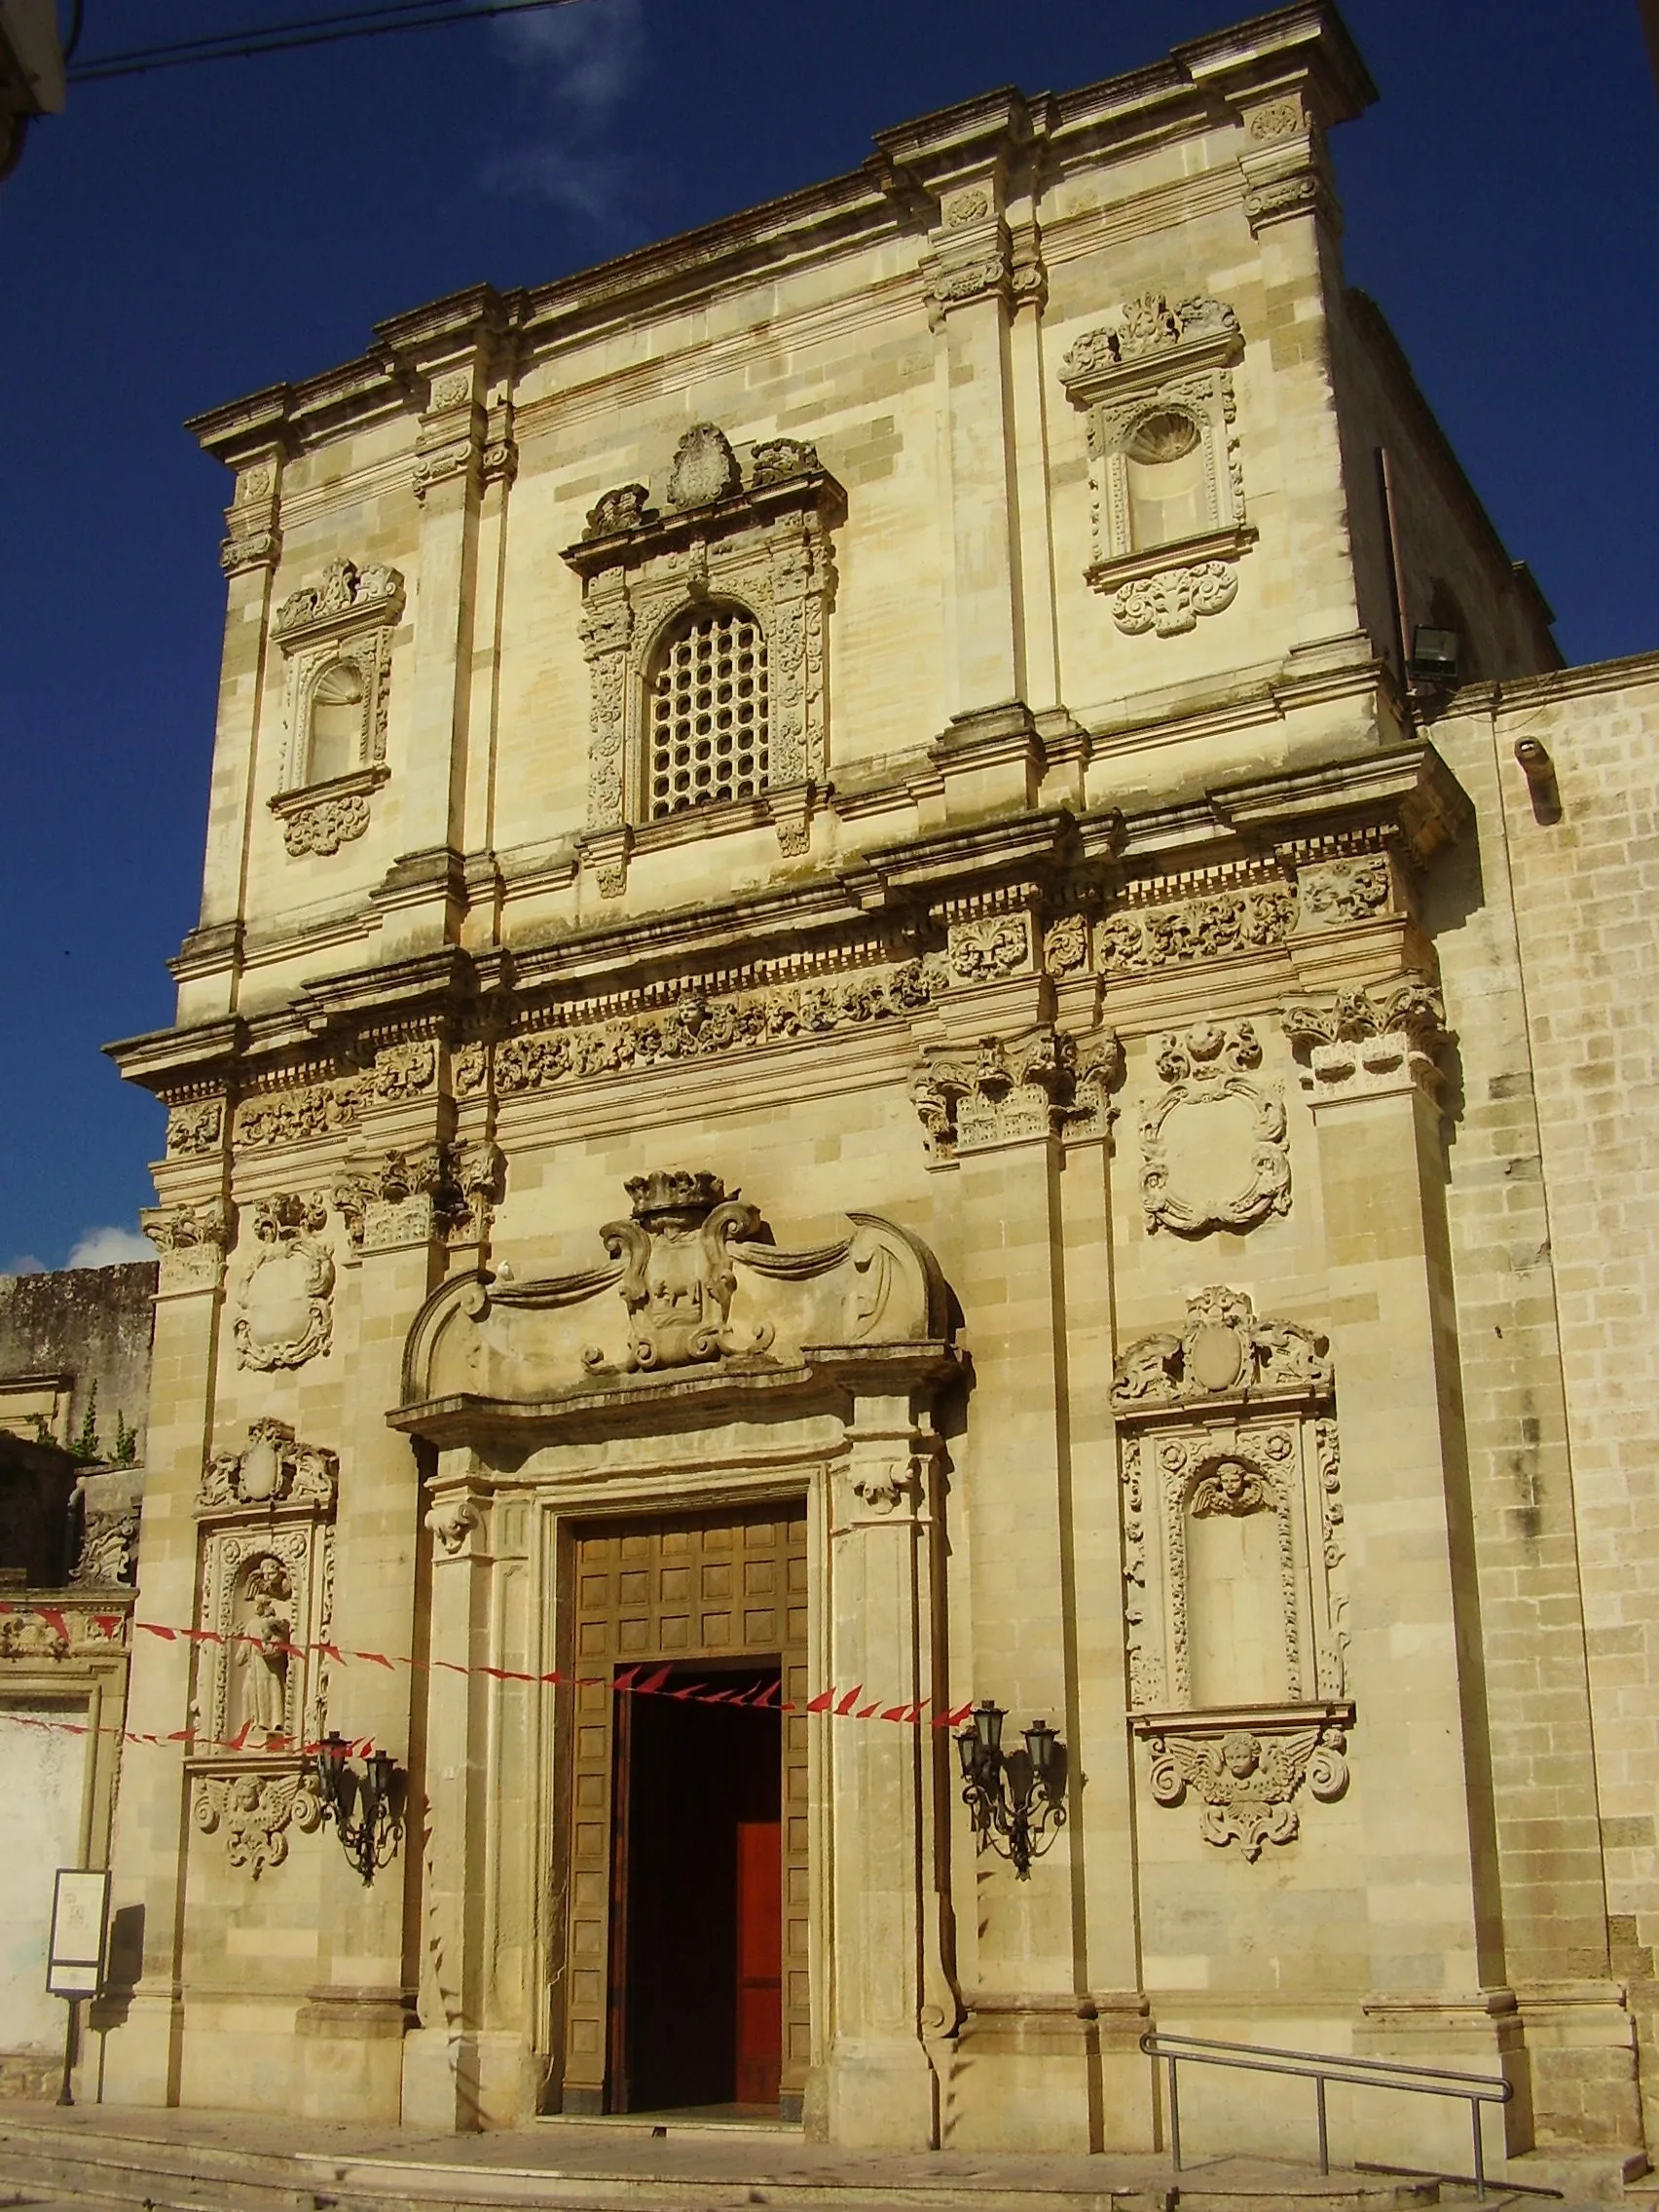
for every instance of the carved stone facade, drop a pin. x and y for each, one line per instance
(917, 1091)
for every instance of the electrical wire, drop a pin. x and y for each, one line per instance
(286, 38)
(77, 23)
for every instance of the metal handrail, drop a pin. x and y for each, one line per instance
(1321, 2067)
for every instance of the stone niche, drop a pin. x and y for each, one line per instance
(1235, 1591)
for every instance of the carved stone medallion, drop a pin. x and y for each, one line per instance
(275, 1470)
(286, 1310)
(1213, 1145)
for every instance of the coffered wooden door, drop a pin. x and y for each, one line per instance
(707, 1588)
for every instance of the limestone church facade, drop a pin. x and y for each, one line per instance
(913, 991)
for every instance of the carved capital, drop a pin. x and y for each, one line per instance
(1049, 1085)
(192, 1241)
(1370, 1044)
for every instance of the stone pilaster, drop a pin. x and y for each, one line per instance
(889, 1996)
(192, 1231)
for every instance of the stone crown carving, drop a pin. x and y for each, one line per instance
(274, 1469)
(1225, 1354)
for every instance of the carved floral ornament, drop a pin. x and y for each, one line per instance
(1213, 1149)
(192, 1242)
(1234, 1574)
(1167, 484)
(759, 546)
(336, 637)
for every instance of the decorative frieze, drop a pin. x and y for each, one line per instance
(1365, 1043)
(405, 1071)
(1353, 889)
(1213, 1149)
(285, 1313)
(291, 1116)
(1211, 926)
(698, 1027)
(987, 950)
(196, 1128)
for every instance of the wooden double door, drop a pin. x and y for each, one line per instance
(688, 1929)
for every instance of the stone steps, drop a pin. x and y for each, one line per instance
(162, 2164)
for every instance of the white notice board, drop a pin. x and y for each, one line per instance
(80, 1910)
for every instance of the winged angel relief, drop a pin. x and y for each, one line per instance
(1249, 1782)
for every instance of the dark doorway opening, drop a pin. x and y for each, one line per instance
(696, 1981)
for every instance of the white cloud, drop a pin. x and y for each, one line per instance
(109, 1248)
(25, 1263)
(577, 64)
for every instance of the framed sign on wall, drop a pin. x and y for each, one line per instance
(80, 1913)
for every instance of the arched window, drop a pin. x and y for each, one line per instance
(708, 718)
(336, 741)
(1169, 495)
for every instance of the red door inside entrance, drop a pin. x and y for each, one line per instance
(759, 1960)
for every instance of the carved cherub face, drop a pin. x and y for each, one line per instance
(1241, 1754)
(268, 1578)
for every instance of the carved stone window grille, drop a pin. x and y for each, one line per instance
(335, 634)
(1166, 488)
(709, 713)
(730, 580)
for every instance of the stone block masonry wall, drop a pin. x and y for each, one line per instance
(90, 1326)
(1582, 889)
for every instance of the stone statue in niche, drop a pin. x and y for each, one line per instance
(677, 1281)
(265, 1648)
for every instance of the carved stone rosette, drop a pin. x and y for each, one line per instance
(1234, 1590)
(1213, 1149)
(1162, 373)
(763, 546)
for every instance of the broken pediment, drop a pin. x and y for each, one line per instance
(695, 1290)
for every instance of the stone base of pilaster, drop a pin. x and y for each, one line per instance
(1025, 2076)
(142, 2049)
(350, 2054)
(880, 2095)
(1582, 2062)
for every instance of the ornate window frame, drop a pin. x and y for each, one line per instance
(757, 539)
(1162, 359)
(1255, 1397)
(348, 616)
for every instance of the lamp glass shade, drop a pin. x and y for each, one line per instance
(968, 1752)
(988, 1720)
(1040, 1743)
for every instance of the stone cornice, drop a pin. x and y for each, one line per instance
(893, 193)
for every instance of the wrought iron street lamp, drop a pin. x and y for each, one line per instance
(1017, 1798)
(361, 1805)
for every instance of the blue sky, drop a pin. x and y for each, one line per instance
(178, 240)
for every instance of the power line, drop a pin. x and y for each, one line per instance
(288, 37)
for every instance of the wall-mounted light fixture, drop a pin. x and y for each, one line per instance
(361, 1804)
(1435, 655)
(1017, 1798)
